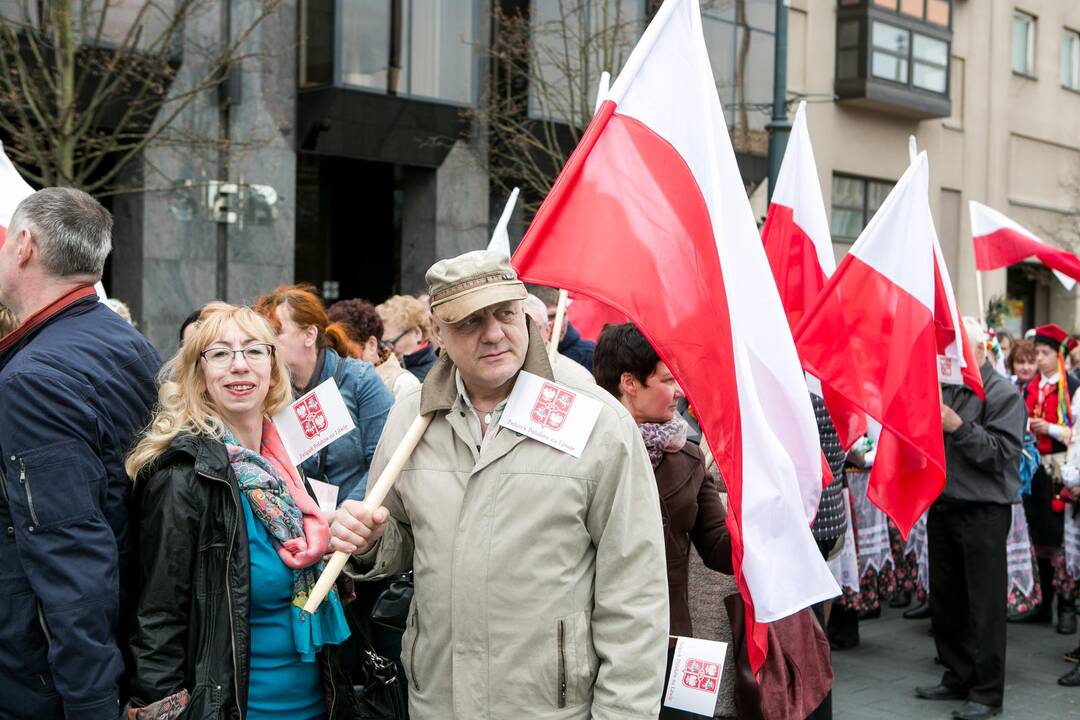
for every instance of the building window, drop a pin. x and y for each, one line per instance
(930, 63)
(1070, 60)
(418, 48)
(936, 12)
(854, 202)
(891, 46)
(1023, 44)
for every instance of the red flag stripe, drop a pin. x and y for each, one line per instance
(794, 262)
(1007, 247)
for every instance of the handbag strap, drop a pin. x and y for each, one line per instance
(321, 467)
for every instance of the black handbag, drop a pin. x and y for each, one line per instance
(378, 682)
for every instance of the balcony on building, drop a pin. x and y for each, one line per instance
(386, 80)
(893, 56)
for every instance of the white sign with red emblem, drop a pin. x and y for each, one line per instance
(551, 413)
(694, 682)
(313, 421)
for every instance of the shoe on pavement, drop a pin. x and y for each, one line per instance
(1073, 656)
(917, 613)
(1071, 678)
(940, 692)
(975, 711)
(901, 600)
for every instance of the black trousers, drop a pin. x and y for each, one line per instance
(968, 586)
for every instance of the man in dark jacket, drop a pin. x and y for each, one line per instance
(967, 528)
(571, 344)
(77, 384)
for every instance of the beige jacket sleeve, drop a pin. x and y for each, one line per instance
(630, 614)
(394, 551)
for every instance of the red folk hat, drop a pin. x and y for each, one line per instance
(1055, 337)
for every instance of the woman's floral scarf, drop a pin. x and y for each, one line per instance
(663, 438)
(301, 536)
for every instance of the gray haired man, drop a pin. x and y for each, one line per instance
(77, 384)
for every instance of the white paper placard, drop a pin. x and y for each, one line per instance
(551, 413)
(949, 370)
(313, 421)
(326, 494)
(694, 682)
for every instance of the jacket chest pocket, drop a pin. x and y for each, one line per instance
(55, 485)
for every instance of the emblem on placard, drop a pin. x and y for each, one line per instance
(552, 406)
(311, 416)
(701, 675)
(945, 366)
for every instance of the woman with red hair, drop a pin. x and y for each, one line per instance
(315, 350)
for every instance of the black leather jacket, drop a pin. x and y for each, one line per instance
(190, 630)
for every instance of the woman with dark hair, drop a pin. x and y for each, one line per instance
(628, 367)
(316, 350)
(366, 329)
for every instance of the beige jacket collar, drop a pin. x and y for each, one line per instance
(439, 390)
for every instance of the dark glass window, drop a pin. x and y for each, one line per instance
(854, 202)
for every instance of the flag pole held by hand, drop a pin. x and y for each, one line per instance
(556, 326)
(372, 500)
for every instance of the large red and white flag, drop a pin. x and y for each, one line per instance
(12, 191)
(1001, 241)
(872, 338)
(798, 244)
(654, 186)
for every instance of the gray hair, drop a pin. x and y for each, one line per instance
(975, 331)
(536, 309)
(72, 230)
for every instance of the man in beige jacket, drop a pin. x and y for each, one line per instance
(541, 587)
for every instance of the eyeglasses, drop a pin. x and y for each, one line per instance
(392, 342)
(257, 354)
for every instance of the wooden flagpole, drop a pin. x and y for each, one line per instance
(372, 500)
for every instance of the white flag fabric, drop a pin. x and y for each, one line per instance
(500, 237)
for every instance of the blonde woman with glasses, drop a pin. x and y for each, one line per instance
(230, 542)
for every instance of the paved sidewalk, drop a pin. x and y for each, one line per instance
(876, 680)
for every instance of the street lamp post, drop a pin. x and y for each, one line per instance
(779, 126)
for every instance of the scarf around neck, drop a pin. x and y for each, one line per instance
(663, 438)
(301, 537)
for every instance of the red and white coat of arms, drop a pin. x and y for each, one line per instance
(310, 414)
(552, 406)
(701, 675)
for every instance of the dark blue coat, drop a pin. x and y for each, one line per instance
(75, 392)
(577, 348)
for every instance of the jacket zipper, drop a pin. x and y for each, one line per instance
(29, 495)
(228, 596)
(412, 655)
(562, 664)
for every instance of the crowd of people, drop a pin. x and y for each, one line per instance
(160, 544)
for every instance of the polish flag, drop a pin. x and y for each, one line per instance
(12, 191)
(872, 338)
(798, 244)
(672, 244)
(1000, 241)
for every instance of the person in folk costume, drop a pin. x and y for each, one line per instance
(1050, 397)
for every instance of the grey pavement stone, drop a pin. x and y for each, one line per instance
(876, 680)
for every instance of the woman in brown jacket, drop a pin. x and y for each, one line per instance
(627, 366)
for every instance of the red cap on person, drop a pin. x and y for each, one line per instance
(1055, 337)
